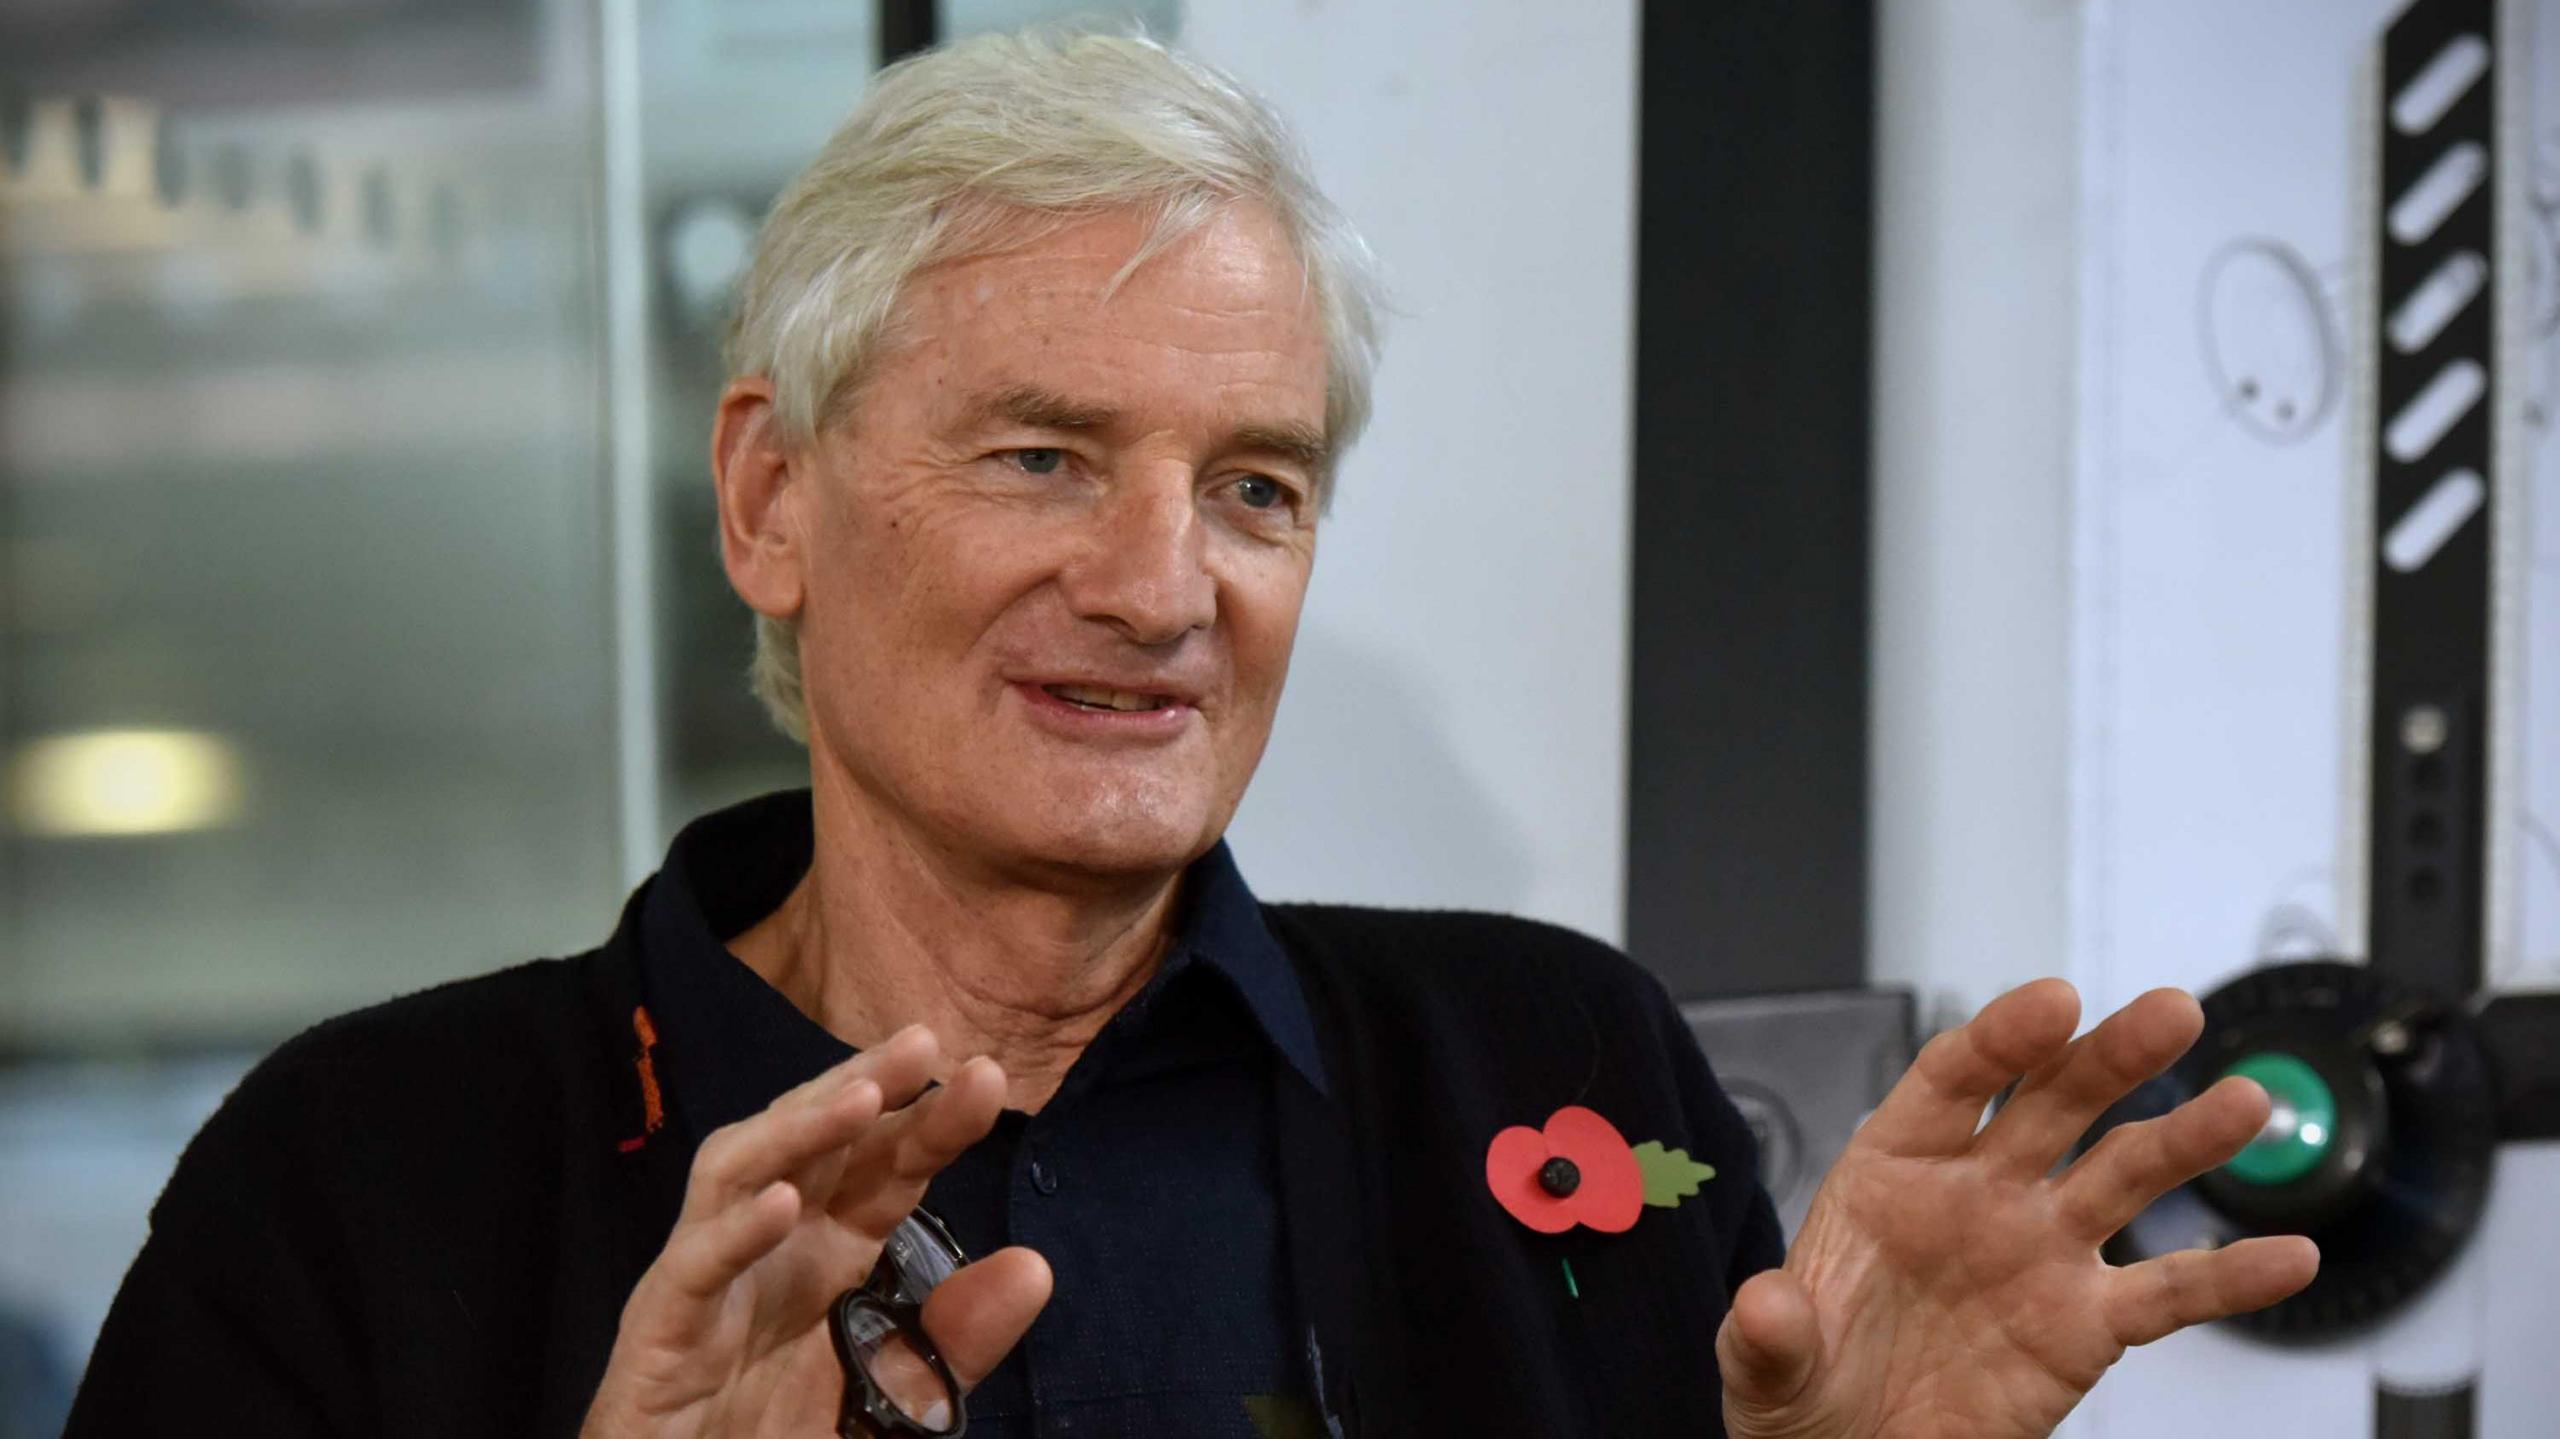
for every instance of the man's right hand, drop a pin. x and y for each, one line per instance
(726, 1334)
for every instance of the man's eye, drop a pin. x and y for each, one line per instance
(1039, 462)
(1261, 492)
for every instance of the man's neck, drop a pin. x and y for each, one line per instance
(886, 930)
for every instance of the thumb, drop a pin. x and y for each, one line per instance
(978, 1314)
(1770, 1343)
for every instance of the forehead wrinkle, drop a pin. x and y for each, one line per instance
(1078, 378)
(1036, 336)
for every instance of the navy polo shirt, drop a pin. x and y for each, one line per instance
(1147, 1181)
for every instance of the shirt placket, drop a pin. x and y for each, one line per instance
(1035, 1210)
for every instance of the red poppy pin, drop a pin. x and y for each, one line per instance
(1580, 1170)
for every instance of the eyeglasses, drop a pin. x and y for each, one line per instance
(895, 1381)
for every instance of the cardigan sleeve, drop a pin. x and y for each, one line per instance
(1745, 1218)
(226, 1323)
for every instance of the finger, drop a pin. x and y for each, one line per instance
(978, 1314)
(904, 1064)
(738, 1160)
(900, 1065)
(886, 1172)
(2137, 1163)
(2057, 1104)
(678, 1300)
(827, 1113)
(1936, 1106)
(1770, 1342)
(960, 1114)
(2159, 1297)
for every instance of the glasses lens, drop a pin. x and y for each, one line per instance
(899, 1373)
(917, 1257)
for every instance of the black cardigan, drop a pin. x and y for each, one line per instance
(423, 1218)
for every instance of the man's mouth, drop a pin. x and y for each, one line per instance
(1095, 697)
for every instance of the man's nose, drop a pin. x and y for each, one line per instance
(1145, 570)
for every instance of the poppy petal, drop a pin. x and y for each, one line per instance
(1511, 1165)
(1611, 1195)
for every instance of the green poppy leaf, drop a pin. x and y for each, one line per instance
(1670, 1175)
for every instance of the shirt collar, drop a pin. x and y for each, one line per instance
(731, 868)
(1223, 928)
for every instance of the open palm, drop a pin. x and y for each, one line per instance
(1947, 1280)
(726, 1334)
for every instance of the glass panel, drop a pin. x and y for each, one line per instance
(307, 580)
(306, 653)
(305, 641)
(734, 100)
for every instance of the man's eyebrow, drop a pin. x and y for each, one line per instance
(1039, 409)
(1301, 445)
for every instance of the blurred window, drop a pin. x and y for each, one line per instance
(321, 388)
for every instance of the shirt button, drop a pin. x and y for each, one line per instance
(1044, 1178)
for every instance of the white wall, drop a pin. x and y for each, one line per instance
(1976, 165)
(1455, 729)
(1455, 732)
(2112, 609)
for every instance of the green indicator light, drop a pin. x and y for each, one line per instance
(2299, 1129)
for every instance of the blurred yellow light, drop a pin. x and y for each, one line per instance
(123, 782)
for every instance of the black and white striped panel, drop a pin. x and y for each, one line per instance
(2436, 387)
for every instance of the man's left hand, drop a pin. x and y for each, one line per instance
(1947, 1279)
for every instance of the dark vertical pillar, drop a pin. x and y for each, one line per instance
(907, 26)
(2430, 739)
(1747, 749)
(2446, 1415)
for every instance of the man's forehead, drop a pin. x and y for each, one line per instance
(1067, 317)
(1237, 266)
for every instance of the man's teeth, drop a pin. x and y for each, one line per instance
(1096, 697)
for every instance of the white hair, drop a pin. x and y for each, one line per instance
(958, 150)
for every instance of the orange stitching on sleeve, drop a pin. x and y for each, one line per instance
(653, 1109)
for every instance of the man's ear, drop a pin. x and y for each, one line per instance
(762, 521)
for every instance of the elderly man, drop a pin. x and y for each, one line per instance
(1041, 378)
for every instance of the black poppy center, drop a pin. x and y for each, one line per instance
(1559, 1176)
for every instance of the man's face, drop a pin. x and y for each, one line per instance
(1054, 551)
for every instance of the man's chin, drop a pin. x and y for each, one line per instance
(1115, 816)
(1121, 852)
(1118, 835)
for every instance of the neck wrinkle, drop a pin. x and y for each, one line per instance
(886, 930)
